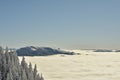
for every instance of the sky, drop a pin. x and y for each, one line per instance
(67, 24)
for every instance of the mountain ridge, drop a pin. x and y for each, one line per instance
(40, 51)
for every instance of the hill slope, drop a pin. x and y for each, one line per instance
(40, 51)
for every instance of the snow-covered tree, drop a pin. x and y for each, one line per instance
(11, 69)
(9, 75)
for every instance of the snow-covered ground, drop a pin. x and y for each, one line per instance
(87, 66)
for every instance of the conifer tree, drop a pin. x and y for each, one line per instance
(11, 69)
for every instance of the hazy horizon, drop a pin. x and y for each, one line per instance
(66, 24)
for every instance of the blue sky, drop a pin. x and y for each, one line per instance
(69, 24)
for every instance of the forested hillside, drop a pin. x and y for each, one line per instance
(12, 69)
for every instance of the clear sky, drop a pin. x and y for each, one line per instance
(69, 24)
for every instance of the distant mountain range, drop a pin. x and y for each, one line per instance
(40, 51)
(103, 50)
(106, 50)
(46, 51)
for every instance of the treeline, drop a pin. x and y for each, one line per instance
(11, 69)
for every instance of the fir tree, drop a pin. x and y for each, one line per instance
(11, 69)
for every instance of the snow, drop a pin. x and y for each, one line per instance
(10, 69)
(87, 66)
(40, 51)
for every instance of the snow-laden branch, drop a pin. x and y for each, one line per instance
(11, 69)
